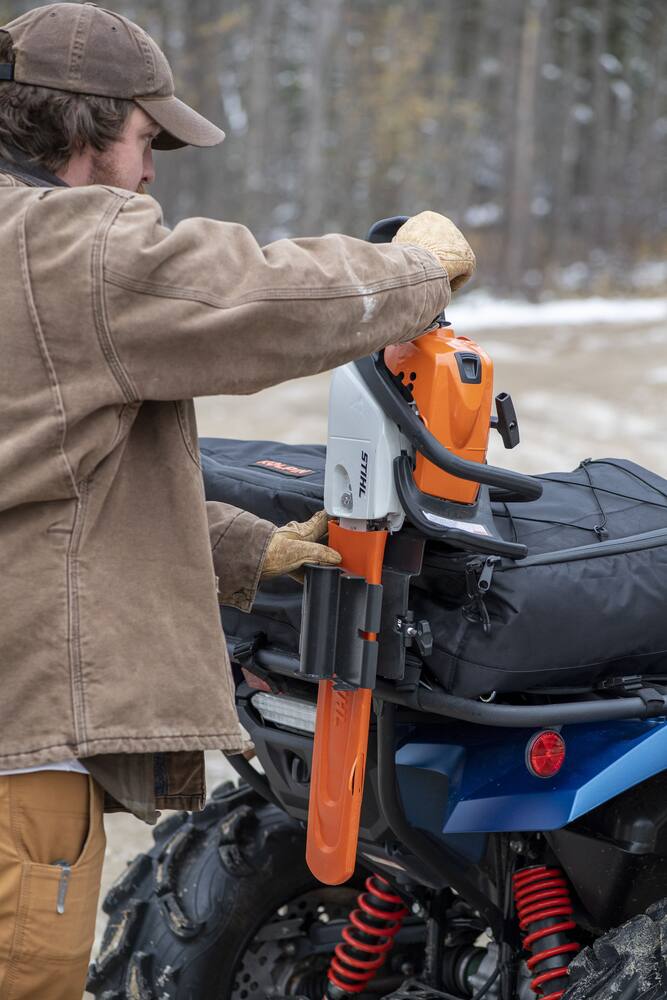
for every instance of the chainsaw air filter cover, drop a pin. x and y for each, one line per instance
(451, 381)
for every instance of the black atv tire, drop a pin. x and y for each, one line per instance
(627, 963)
(235, 869)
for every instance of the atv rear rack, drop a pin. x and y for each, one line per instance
(647, 703)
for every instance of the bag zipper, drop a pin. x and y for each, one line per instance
(479, 570)
(479, 576)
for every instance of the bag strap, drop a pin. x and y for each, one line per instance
(599, 529)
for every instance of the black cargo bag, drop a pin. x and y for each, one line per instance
(589, 603)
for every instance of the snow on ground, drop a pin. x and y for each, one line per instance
(480, 311)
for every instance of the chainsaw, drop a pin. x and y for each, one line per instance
(408, 436)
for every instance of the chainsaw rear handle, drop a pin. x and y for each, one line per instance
(380, 383)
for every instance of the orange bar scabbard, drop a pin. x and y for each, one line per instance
(341, 738)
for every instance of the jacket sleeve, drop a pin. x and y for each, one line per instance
(203, 309)
(238, 542)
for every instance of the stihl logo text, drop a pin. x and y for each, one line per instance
(363, 475)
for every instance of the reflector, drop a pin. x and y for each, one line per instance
(545, 754)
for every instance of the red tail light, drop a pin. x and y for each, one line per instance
(545, 754)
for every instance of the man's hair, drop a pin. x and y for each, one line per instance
(49, 126)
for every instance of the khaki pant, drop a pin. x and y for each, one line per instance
(51, 852)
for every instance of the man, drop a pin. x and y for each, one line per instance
(115, 675)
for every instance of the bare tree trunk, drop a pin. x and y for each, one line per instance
(653, 146)
(566, 153)
(503, 129)
(260, 100)
(519, 222)
(597, 230)
(326, 20)
(460, 177)
(200, 170)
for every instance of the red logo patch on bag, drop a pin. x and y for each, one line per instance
(282, 468)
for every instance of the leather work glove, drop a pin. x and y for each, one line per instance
(439, 235)
(296, 543)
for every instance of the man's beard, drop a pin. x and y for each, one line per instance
(103, 170)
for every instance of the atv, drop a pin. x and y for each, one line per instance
(461, 734)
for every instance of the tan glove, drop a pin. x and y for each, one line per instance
(439, 235)
(295, 544)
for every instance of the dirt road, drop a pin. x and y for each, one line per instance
(579, 392)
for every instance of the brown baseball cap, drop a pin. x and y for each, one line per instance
(85, 49)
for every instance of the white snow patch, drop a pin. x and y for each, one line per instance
(600, 418)
(650, 272)
(482, 215)
(551, 72)
(540, 206)
(622, 90)
(611, 63)
(583, 113)
(658, 376)
(479, 311)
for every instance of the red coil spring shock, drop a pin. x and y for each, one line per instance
(366, 939)
(544, 908)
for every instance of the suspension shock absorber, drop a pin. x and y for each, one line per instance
(544, 909)
(367, 939)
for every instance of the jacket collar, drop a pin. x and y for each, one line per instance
(30, 173)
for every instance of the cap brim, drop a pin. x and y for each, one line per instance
(181, 124)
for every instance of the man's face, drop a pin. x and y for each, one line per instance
(128, 162)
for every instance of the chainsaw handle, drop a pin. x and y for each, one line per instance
(379, 381)
(432, 518)
(385, 230)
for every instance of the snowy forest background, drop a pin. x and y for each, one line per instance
(540, 126)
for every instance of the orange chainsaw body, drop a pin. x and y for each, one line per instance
(457, 412)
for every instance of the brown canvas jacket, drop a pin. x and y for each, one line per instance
(110, 638)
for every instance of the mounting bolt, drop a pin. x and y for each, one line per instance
(347, 501)
(517, 845)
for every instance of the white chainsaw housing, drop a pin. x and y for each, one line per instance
(362, 445)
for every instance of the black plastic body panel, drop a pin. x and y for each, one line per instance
(277, 750)
(616, 856)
